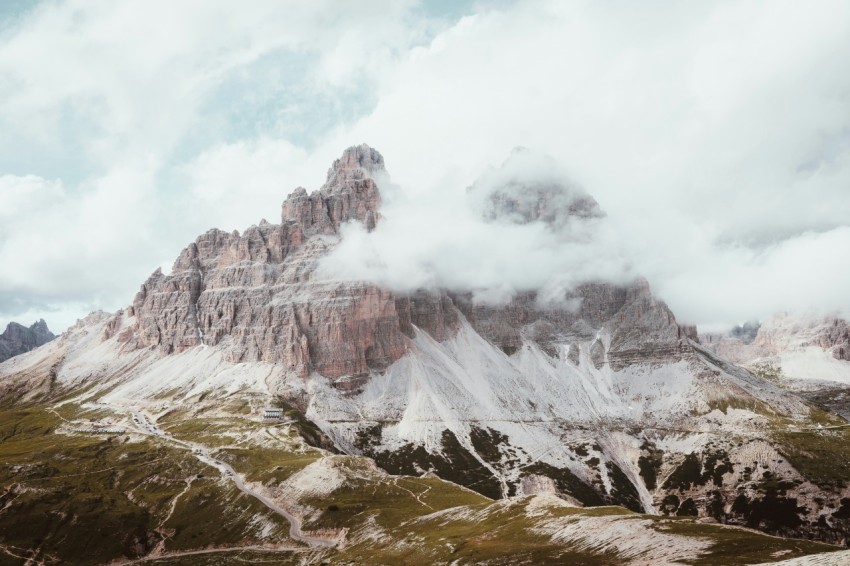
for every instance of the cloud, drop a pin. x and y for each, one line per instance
(76, 247)
(717, 145)
(128, 128)
(715, 136)
(508, 232)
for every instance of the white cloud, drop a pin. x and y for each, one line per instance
(74, 249)
(461, 240)
(716, 136)
(125, 102)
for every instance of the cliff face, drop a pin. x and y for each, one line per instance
(18, 339)
(256, 295)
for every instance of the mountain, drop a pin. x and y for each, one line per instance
(805, 347)
(17, 338)
(802, 353)
(538, 419)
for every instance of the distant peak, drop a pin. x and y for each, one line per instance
(350, 193)
(357, 157)
(530, 187)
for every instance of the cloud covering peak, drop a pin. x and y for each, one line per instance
(714, 135)
(524, 225)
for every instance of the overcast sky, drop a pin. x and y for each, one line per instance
(715, 135)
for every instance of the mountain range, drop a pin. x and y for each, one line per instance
(594, 428)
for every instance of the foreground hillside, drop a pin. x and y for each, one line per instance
(87, 482)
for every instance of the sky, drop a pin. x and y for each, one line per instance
(714, 135)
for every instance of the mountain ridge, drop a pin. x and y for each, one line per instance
(603, 397)
(18, 339)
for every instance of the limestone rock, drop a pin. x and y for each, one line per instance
(256, 295)
(349, 193)
(642, 328)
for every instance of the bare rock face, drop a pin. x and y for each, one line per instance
(255, 295)
(435, 313)
(18, 339)
(836, 338)
(642, 328)
(645, 331)
(349, 193)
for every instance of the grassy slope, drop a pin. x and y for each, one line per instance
(91, 498)
(497, 533)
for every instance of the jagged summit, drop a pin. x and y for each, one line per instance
(257, 295)
(41, 327)
(530, 187)
(17, 338)
(357, 158)
(349, 193)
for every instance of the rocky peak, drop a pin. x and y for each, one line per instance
(41, 332)
(18, 339)
(529, 187)
(255, 294)
(357, 162)
(349, 193)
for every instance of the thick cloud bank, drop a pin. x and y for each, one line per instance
(527, 226)
(522, 226)
(715, 135)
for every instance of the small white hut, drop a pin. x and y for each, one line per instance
(273, 413)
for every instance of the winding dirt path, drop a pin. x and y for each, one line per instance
(180, 553)
(144, 423)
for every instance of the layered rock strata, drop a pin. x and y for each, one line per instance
(256, 294)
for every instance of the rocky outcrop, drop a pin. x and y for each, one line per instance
(255, 294)
(780, 336)
(18, 339)
(641, 327)
(836, 338)
(349, 193)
